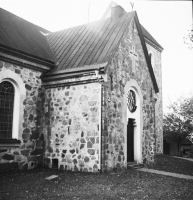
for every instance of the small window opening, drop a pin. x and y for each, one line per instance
(111, 81)
(151, 59)
(55, 163)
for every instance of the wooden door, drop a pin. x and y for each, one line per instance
(130, 141)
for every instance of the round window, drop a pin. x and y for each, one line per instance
(131, 101)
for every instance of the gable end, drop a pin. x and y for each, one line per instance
(146, 54)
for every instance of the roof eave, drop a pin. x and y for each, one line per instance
(147, 40)
(74, 72)
(17, 53)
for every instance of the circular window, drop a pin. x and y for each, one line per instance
(131, 101)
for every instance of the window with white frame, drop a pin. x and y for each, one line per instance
(6, 109)
(12, 95)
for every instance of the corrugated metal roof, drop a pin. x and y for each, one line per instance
(23, 36)
(150, 37)
(87, 44)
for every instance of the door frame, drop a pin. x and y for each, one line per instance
(138, 120)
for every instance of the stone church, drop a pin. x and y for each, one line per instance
(87, 98)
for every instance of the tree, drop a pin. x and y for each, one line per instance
(189, 39)
(178, 120)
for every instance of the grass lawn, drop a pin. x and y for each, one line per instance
(171, 164)
(131, 184)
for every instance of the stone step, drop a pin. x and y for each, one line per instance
(134, 165)
(138, 166)
(131, 163)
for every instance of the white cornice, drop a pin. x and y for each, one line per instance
(153, 44)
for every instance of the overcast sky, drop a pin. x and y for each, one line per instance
(167, 21)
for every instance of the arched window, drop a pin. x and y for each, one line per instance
(6, 109)
(131, 101)
(12, 95)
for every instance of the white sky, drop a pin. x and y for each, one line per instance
(167, 21)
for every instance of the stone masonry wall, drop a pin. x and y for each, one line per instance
(73, 127)
(159, 104)
(29, 154)
(119, 73)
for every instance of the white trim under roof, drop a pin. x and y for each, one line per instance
(152, 44)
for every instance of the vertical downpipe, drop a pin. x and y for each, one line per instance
(100, 126)
(102, 130)
(103, 126)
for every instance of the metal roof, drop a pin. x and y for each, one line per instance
(23, 36)
(84, 45)
(87, 44)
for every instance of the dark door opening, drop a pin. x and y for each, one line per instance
(55, 163)
(130, 141)
(166, 148)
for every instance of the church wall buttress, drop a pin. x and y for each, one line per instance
(73, 127)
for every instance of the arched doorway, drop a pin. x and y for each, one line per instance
(133, 122)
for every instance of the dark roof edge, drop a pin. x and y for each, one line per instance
(23, 64)
(146, 53)
(69, 73)
(23, 55)
(71, 83)
(83, 68)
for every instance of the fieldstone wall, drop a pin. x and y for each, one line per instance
(119, 73)
(30, 152)
(73, 127)
(65, 123)
(159, 104)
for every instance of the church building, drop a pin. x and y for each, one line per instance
(87, 98)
